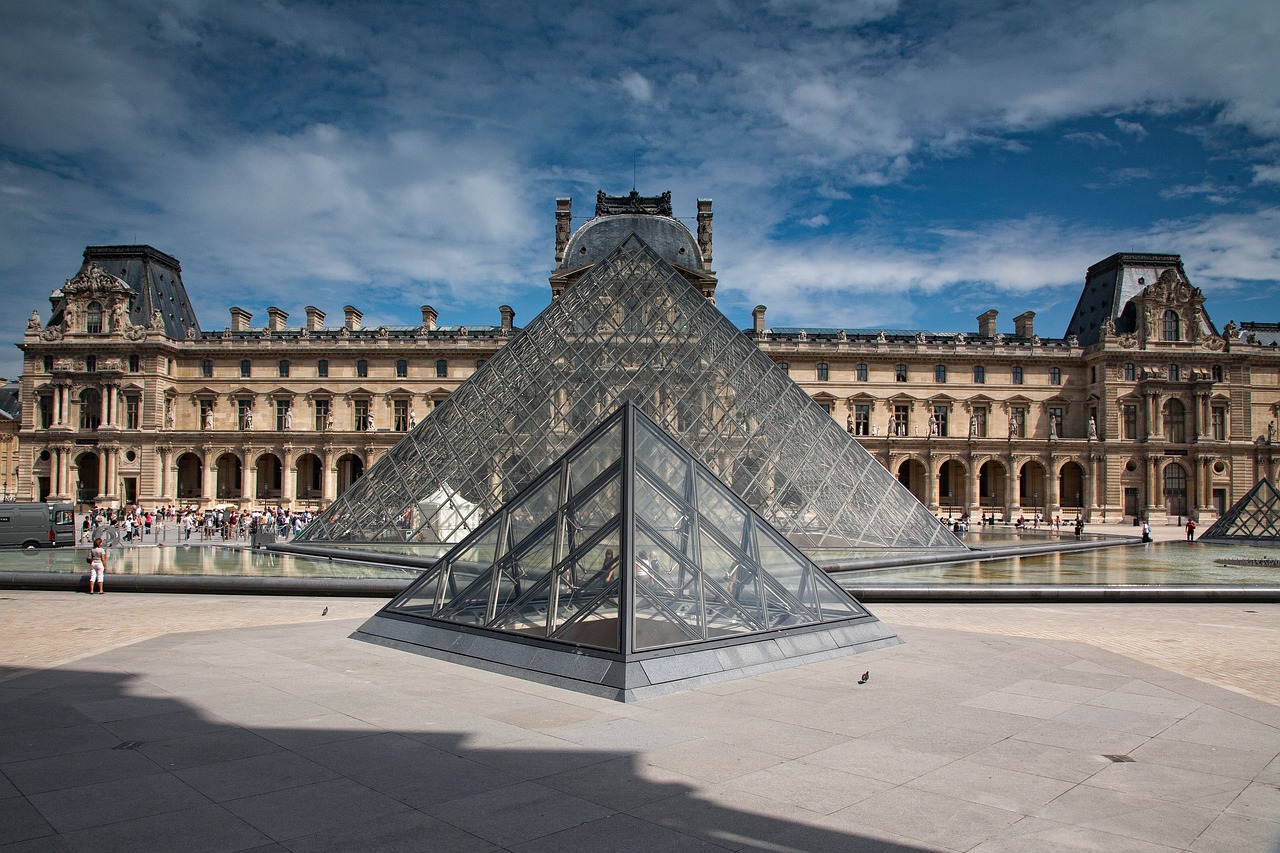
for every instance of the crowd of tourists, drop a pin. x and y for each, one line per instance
(134, 523)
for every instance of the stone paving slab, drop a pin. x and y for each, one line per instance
(291, 736)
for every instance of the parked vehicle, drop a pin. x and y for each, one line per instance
(37, 525)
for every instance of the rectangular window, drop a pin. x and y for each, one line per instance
(132, 411)
(206, 368)
(900, 373)
(1217, 373)
(784, 367)
(1018, 422)
(402, 368)
(400, 415)
(824, 372)
(1218, 417)
(45, 417)
(322, 368)
(1055, 421)
(206, 414)
(322, 414)
(361, 410)
(242, 414)
(282, 415)
(828, 406)
(246, 368)
(284, 368)
(1173, 373)
(135, 363)
(1130, 372)
(1017, 376)
(862, 372)
(1055, 376)
(979, 375)
(901, 419)
(1131, 422)
(940, 373)
(979, 428)
(939, 426)
(48, 364)
(862, 420)
(362, 368)
(442, 368)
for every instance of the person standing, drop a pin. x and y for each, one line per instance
(1146, 531)
(1191, 530)
(97, 566)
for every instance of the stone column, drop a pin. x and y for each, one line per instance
(162, 475)
(974, 509)
(1052, 506)
(932, 480)
(209, 475)
(330, 491)
(249, 477)
(288, 476)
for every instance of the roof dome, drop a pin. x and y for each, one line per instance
(663, 234)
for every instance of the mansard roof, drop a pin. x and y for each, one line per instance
(156, 280)
(1110, 284)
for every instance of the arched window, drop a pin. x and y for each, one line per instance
(1175, 421)
(1172, 326)
(824, 371)
(362, 367)
(402, 368)
(93, 318)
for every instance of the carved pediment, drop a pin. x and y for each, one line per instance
(94, 281)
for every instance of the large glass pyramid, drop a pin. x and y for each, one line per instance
(632, 329)
(629, 553)
(1255, 517)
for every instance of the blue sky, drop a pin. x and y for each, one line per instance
(874, 163)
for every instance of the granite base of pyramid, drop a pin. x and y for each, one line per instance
(630, 678)
(626, 569)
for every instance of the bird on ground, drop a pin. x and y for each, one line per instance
(866, 676)
(324, 612)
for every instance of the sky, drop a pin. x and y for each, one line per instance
(873, 163)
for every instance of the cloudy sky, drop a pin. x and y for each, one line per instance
(873, 162)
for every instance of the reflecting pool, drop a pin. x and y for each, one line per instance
(1165, 563)
(196, 560)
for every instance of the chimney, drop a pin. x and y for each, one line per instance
(276, 319)
(508, 318)
(704, 231)
(987, 324)
(315, 317)
(1024, 324)
(353, 317)
(240, 320)
(757, 320)
(429, 317)
(564, 226)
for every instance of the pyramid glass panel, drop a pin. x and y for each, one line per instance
(1255, 517)
(632, 328)
(624, 564)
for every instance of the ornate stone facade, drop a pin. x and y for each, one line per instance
(1142, 409)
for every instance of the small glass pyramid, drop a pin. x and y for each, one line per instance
(632, 328)
(627, 549)
(1256, 517)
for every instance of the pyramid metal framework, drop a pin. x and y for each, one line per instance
(1255, 517)
(626, 569)
(632, 329)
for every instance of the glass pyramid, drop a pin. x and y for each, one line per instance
(632, 329)
(1256, 516)
(626, 546)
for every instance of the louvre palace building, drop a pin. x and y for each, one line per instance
(1143, 407)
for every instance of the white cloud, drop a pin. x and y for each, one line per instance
(637, 86)
(1132, 128)
(816, 221)
(1266, 174)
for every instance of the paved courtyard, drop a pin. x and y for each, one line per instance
(224, 723)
